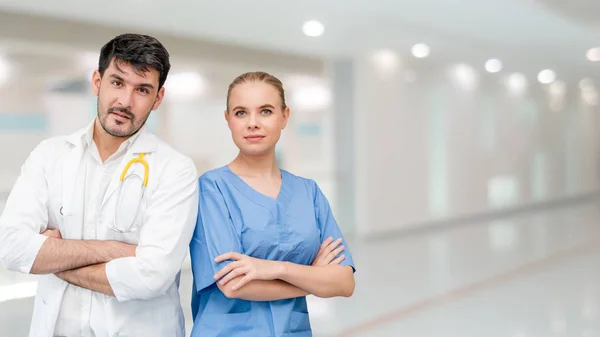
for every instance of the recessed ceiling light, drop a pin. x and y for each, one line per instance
(493, 65)
(420, 50)
(546, 76)
(313, 28)
(594, 54)
(465, 76)
(516, 83)
(385, 59)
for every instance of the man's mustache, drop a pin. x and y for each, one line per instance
(124, 111)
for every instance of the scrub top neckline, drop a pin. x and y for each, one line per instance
(282, 198)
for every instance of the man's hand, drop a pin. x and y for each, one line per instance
(328, 251)
(53, 233)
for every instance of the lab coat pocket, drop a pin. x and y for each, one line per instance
(129, 204)
(123, 214)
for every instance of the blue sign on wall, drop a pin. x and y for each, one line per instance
(22, 122)
(308, 129)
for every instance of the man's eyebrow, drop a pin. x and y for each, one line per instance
(143, 85)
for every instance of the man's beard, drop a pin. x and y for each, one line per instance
(129, 131)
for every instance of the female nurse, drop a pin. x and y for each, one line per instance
(264, 238)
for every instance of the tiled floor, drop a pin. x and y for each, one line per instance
(535, 274)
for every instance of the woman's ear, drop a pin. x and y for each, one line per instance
(286, 116)
(226, 114)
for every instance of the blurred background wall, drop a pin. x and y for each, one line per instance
(413, 116)
(405, 115)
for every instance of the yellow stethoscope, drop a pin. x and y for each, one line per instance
(124, 225)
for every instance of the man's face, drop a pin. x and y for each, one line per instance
(125, 98)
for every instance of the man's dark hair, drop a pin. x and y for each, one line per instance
(141, 51)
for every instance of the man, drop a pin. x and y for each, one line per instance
(106, 214)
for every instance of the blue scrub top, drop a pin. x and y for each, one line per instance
(234, 217)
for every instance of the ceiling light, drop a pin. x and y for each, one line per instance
(546, 76)
(516, 83)
(465, 76)
(385, 60)
(313, 28)
(593, 54)
(420, 50)
(4, 70)
(493, 65)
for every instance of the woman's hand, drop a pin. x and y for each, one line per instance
(252, 268)
(328, 251)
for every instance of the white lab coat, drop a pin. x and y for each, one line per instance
(146, 301)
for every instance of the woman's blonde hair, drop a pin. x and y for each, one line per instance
(258, 76)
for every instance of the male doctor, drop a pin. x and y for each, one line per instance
(106, 214)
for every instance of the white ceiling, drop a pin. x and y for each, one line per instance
(544, 33)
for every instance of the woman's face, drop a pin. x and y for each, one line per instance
(256, 117)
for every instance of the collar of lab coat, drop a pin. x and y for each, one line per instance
(142, 141)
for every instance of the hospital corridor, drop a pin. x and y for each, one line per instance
(456, 144)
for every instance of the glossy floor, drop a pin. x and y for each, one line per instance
(532, 274)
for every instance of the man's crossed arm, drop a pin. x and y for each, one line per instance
(80, 262)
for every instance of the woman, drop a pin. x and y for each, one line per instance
(264, 238)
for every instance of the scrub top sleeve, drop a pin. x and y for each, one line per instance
(214, 235)
(329, 227)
